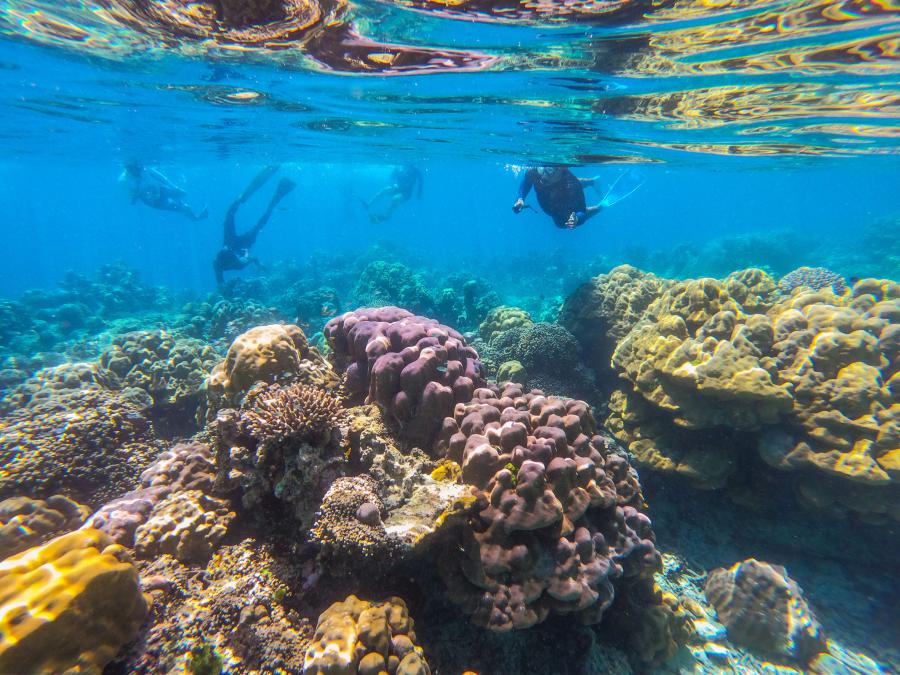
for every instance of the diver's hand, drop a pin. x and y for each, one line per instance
(518, 206)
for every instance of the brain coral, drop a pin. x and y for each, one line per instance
(764, 609)
(559, 517)
(414, 368)
(501, 319)
(366, 638)
(68, 605)
(602, 311)
(88, 444)
(26, 522)
(275, 353)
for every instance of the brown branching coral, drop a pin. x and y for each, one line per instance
(297, 412)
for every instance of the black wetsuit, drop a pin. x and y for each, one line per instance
(559, 192)
(406, 178)
(235, 252)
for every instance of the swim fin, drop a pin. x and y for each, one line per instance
(624, 186)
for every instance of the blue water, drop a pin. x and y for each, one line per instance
(764, 133)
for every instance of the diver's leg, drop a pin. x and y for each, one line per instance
(258, 182)
(285, 186)
(395, 203)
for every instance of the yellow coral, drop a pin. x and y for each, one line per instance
(369, 638)
(501, 319)
(68, 605)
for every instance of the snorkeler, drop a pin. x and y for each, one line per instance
(560, 194)
(405, 180)
(235, 252)
(151, 187)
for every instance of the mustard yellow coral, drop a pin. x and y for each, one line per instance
(368, 638)
(68, 605)
(501, 319)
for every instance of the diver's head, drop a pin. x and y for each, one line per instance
(134, 169)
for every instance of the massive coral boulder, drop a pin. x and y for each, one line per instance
(501, 319)
(368, 638)
(808, 379)
(414, 368)
(268, 354)
(841, 357)
(558, 520)
(551, 358)
(68, 605)
(764, 609)
(602, 311)
(87, 444)
(184, 467)
(187, 525)
(26, 522)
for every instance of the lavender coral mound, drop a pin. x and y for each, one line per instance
(414, 368)
(763, 608)
(816, 278)
(559, 517)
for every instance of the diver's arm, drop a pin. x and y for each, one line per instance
(524, 188)
(588, 182)
(164, 180)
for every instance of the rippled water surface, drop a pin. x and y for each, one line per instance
(577, 81)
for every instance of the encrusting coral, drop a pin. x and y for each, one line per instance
(68, 605)
(365, 638)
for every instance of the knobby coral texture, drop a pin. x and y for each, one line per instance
(560, 513)
(413, 367)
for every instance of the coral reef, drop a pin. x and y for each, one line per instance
(68, 605)
(234, 611)
(185, 467)
(763, 608)
(349, 525)
(603, 311)
(550, 356)
(171, 370)
(558, 520)
(501, 319)
(187, 525)
(87, 444)
(813, 278)
(295, 413)
(26, 522)
(414, 368)
(275, 353)
(384, 283)
(357, 636)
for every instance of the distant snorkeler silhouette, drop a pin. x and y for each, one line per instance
(405, 180)
(235, 251)
(151, 187)
(560, 194)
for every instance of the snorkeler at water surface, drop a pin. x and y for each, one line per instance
(235, 251)
(405, 180)
(151, 187)
(560, 194)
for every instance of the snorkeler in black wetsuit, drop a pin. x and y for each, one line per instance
(405, 180)
(149, 186)
(235, 252)
(560, 194)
